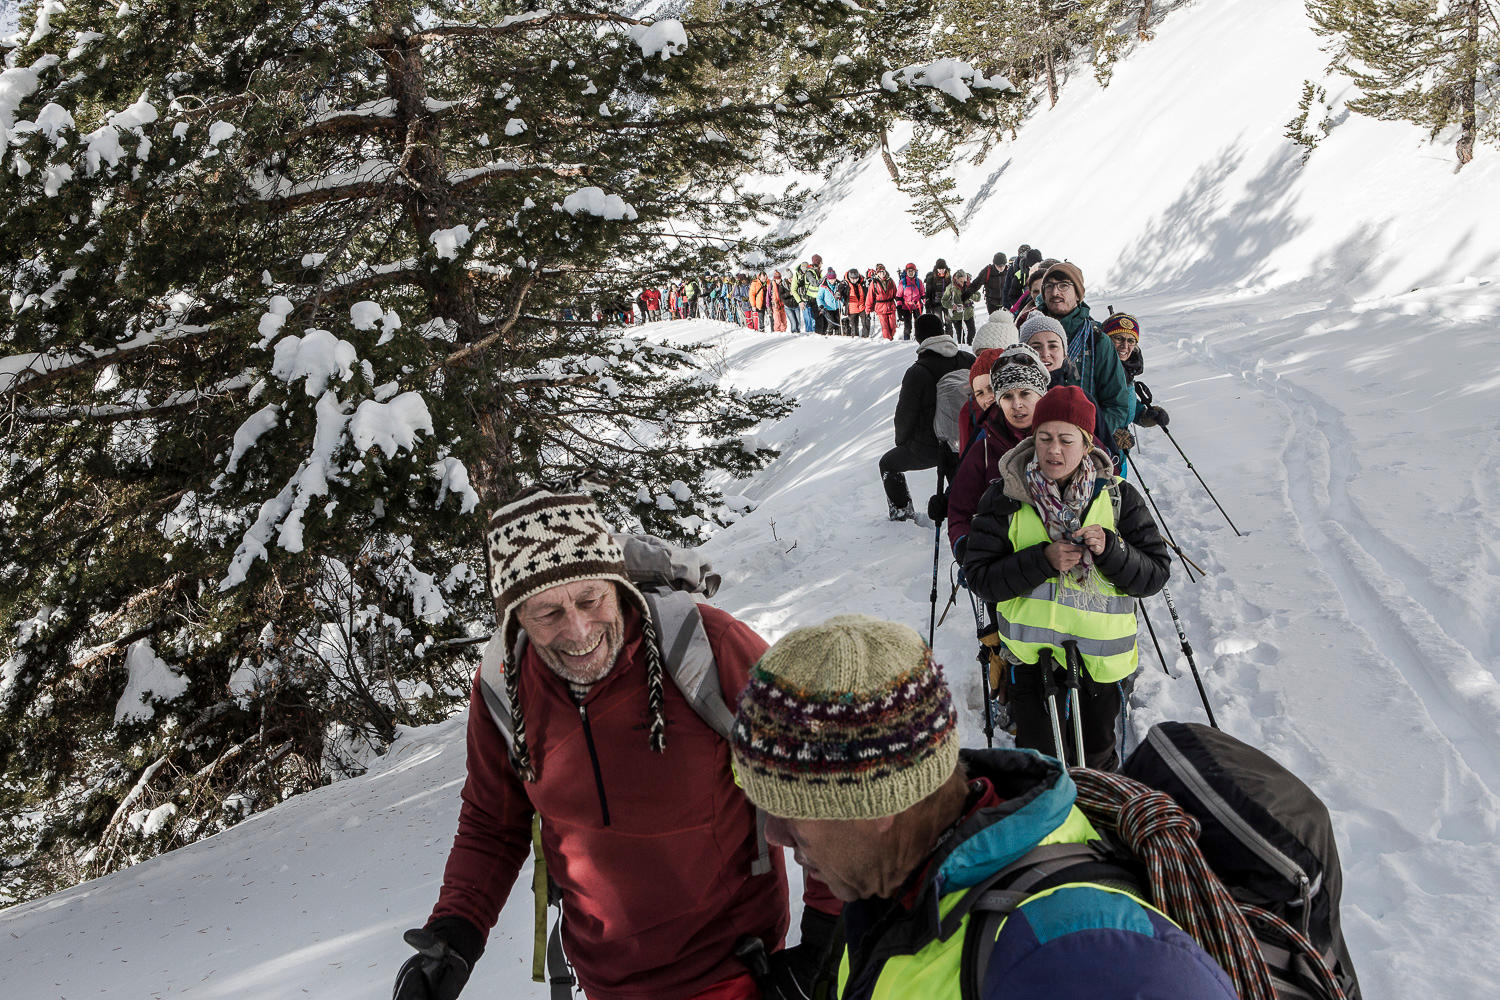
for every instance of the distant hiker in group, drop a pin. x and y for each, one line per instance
(990, 280)
(852, 297)
(1062, 547)
(937, 282)
(883, 301)
(911, 299)
(959, 308)
(829, 304)
(847, 738)
(592, 711)
(1018, 275)
(805, 283)
(783, 307)
(760, 298)
(917, 444)
(1093, 357)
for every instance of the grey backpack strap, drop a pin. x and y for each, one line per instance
(689, 659)
(492, 688)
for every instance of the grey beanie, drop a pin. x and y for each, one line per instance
(1039, 322)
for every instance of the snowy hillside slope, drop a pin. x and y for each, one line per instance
(1301, 656)
(1324, 337)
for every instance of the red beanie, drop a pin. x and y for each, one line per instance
(981, 366)
(1066, 403)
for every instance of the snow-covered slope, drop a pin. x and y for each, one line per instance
(1347, 422)
(1356, 676)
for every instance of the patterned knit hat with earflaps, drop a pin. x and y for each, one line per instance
(541, 540)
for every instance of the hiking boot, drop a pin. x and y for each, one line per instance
(901, 513)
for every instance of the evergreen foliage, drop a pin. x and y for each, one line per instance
(925, 180)
(1297, 130)
(295, 291)
(1435, 63)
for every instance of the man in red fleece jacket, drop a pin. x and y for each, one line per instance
(644, 830)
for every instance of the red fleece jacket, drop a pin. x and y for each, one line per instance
(656, 897)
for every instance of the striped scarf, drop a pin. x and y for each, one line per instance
(1062, 513)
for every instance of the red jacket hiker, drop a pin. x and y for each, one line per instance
(656, 896)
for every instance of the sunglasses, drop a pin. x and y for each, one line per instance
(1011, 359)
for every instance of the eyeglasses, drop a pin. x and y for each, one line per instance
(1057, 283)
(1121, 340)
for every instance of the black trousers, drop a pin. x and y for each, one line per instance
(1100, 704)
(907, 318)
(908, 458)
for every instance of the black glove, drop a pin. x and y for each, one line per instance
(808, 971)
(446, 952)
(1157, 416)
(937, 507)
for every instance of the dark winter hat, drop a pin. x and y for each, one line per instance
(1121, 323)
(1038, 322)
(941, 265)
(1068, 404)
(928, 325)
(541, 540)
(831, 273)
(849, 719)
(1066, 269)
(1018, 367)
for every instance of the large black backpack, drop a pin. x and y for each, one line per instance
(1266, 835)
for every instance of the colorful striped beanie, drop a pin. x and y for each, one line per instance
(849, 719)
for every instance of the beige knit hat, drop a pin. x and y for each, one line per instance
(850, 719)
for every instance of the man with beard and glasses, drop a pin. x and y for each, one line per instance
(582, 714)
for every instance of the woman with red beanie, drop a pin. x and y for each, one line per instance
(1063, 546)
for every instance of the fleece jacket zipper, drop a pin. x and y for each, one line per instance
(588, 737)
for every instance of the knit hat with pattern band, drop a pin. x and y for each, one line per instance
(849, 719)
(541, 540)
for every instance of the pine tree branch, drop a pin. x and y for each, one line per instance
(468, 351)
(522, 24)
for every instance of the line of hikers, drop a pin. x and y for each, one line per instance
(809, 298)
(657, 755)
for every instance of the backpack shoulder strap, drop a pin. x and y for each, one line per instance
(1042, 868)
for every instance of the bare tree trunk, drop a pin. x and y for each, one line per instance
(1466, 89)
(890, 161)
(1140, 25)
(1051, 78)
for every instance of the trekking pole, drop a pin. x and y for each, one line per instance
(984, 671)
(1140, 607)
(1194, 471)
(1187, 650)
(1075, 699)
(1187, 564)
(937, 543)
(1046, 663)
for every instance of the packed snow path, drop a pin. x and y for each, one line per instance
(1345, 634)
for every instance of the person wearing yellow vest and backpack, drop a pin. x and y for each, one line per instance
(1062, 547)
(964, 875)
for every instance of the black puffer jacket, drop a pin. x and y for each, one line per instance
(936, 357)
(1135, 558)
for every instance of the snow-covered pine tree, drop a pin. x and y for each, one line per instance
(1435, 63)
(926, 165)
(1031, 39)
(285, 297)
